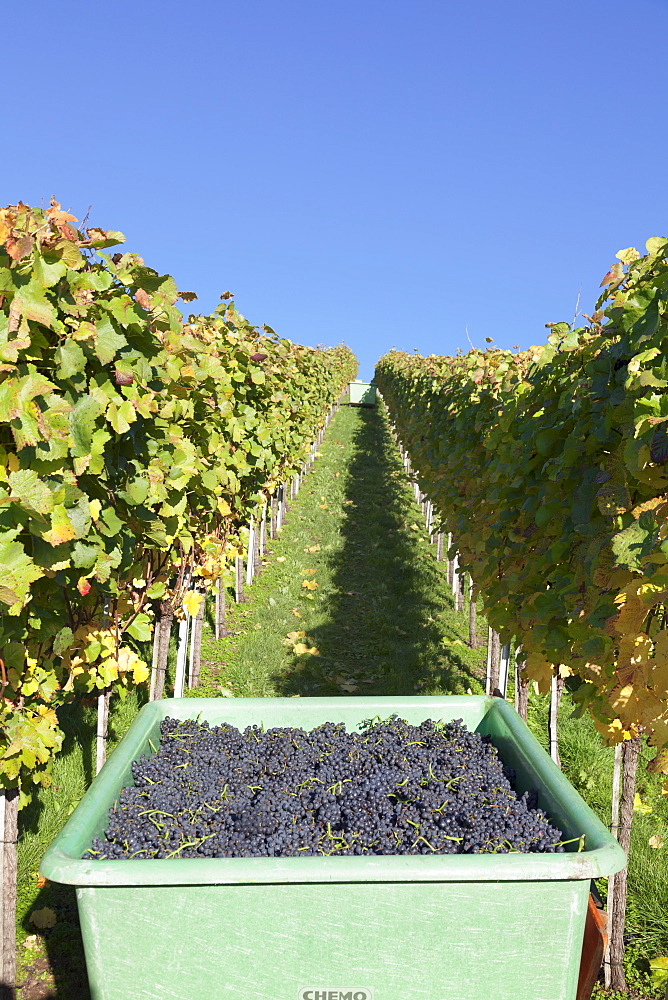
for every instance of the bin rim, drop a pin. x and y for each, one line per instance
(63, 863)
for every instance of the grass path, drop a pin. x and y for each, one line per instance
(380, 611)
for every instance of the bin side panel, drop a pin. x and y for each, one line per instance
(556, 796)
(426, 941)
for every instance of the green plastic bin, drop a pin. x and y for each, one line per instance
(361, 393)
(458, 927)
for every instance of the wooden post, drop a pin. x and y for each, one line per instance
(473, 617)
(489, 660)
(504, 665)
(556, 691)
(459, 592)
(182, 657)
(273, 517)
(9, 809)
(220, 629)
(521, 688)
(102, 725)
(493, 659)
(455, 574)
(250, 555)
(439, 546)
(280, 513)
(630, 753)
(616, 789)
(196, 644)
(154, 662)
(102, 710)
(263, 532)
(164, 630)
(191, 655)
(256, 547)
(239, 582)
(614, 829)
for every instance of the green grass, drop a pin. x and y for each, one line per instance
(381, 617)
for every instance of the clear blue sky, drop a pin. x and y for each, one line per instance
(377, 172)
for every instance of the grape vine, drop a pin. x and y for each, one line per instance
(549, 468)
(133, 448)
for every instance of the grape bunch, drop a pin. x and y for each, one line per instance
(391, 788)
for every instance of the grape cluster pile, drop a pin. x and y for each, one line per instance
(392, 788)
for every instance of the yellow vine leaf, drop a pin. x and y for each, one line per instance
(192, 602)
(635, 652)
(614, 732)
(659, 735)
(140, 673)
(130, 662)
(648, 708)
(659, 764)
(61, 529)
(641, 807)
(630, 617)
(43, 918)
(293, 637)
(346, 684)
(653, 504)
(628, 255)
(652, 593)
(539, 670)
(661, 645)
(309, 585)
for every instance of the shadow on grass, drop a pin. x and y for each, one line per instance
(383, 635)
(65, 969)
(66, 966)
